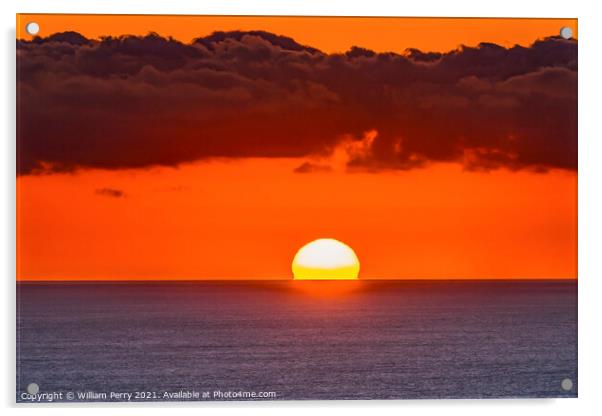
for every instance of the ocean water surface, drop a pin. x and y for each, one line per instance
(291, 340)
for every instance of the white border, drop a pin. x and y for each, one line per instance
(590, 201)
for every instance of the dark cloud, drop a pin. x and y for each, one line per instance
(114, 193)
(308, 167)
(131, 102)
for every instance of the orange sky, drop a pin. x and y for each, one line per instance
(330, 34)
(246, 218)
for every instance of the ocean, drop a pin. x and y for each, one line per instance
(295, 340)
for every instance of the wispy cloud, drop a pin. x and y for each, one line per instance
(110, 192)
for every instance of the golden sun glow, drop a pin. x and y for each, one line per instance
(325, 259)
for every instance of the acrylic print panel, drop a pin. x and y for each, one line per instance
(283, 208)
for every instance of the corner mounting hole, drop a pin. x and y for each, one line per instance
(566, 32)
(567, 384)
(33, 388)
(32, 28)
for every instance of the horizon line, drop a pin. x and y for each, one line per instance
(167, 281)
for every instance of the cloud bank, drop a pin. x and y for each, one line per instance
(132, 102)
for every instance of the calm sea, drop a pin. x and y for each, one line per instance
(296, 340)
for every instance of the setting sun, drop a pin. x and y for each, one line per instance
(325, 259)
